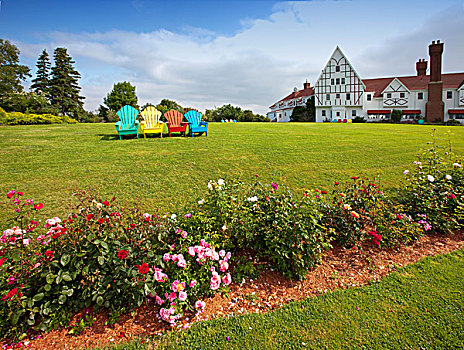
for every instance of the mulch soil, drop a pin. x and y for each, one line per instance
(340, 268)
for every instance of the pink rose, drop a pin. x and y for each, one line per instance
(227, 279)
(222, 253)
(159, 301)
(193, 283)
(182, 296)
(175, 286)
(191, 251)
(215, 282)
(184, 234)
(167, 257)
(182, 263)
(172, 296)
(224, 265)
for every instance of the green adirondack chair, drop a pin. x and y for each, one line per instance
(127, 124)
(195, 124)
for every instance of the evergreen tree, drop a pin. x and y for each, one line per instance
(304, 114)
(121, 95)
(11, 72)
(41, 83)
(64, 89)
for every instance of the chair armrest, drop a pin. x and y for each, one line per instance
(118, 125)
(204, 123)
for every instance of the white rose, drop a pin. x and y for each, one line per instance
(221, 182)
(430, 178)
(448, 177)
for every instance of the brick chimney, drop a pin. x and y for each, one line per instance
(421, 68)
(435, 107)
(306, 85)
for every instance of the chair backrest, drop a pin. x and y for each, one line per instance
(193, 117)
(174, 117)
(127, 115)
(151, 117)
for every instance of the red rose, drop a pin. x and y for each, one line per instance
(2, 260)
(38, 206)
(12, 293)
(324, 192)
(50, 254)
(106, 203)
(144, 268)
(355, 177)
(132, 225)
(122, 254)
(3, 298)
(101, 221)
(33, 225)
(89, 217)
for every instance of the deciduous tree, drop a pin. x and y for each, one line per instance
(11, 72)
(123, 93)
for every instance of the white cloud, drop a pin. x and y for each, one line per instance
(263, 61)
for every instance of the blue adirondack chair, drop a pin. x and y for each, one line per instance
(195, 123)
(127, 124)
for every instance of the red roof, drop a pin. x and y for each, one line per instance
(450, 81)
(455, 111)
(297, 94)
(411, 111)
(378, 111)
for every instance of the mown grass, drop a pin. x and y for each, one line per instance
(49, 162)
(417, 307)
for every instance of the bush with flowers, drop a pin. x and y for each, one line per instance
(434, 190)
(104, 256)
(283, 229)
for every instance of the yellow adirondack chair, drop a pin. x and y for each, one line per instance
(151, 123)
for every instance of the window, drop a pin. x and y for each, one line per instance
(420, 95)
(323, 112)
(401, 94)
(337, 68)
(369, 97)
(327, 97)
(343, 80)
(337, 96)
(449, 95)
(338, 114)
(338, 81)
(332, 81)
(353, 113)
(389, 95)
(348, 96)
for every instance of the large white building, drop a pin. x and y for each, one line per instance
(341, 94)
(283, 109)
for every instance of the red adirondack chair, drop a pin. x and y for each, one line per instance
(175, 123)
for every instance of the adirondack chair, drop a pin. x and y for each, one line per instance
(175, 123)
(195, 124)
(151, 123)
(127, 124)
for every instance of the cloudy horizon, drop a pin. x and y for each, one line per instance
(250, 60)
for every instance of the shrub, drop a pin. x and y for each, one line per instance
(434, 190)
(17, 118)
(104, 256)
(266, 218)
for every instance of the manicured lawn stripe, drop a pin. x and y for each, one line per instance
(48, 162)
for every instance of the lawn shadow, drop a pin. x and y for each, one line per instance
(108, 137)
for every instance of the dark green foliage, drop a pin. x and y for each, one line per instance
(123, 94)
(358, 119)
(25, 102)
(306, 113)
(229, 112)
(64, 89)
(396, 115)
(165, 105)
(41, 83)
(11, 72)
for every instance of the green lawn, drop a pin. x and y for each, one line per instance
(48, 162)
(417, 307)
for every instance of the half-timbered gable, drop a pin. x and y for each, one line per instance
(396, 94)
(339, 84)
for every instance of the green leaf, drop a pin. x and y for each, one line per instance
(69, 292)
(47, 287)
(14, 318)
(100, 300)
(104, 245)
(50, 277)
(66, 277)
(58, 279)
(65, 259)
(62, 299)
(100, 259)
(38, 297)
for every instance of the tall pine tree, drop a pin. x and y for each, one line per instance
(41, 83)
(64, 89)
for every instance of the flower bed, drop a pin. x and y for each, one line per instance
(106, 257)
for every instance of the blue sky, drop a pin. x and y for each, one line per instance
(249, 53)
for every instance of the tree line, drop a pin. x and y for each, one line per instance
(55, 90)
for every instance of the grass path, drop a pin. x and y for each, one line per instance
(48, 162)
